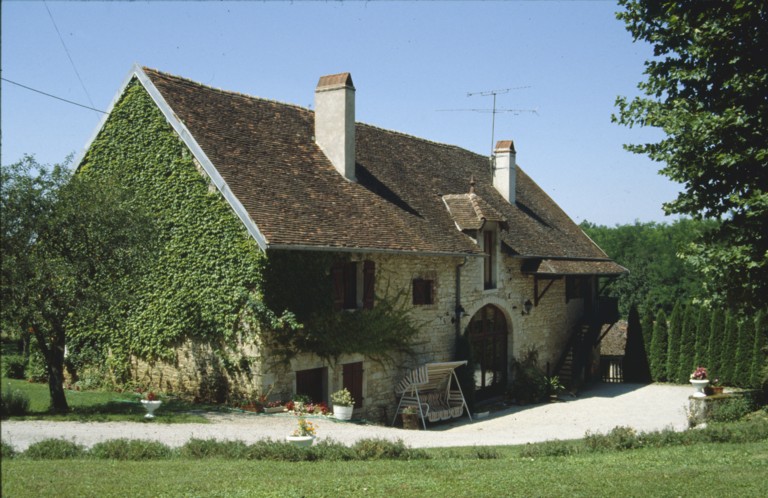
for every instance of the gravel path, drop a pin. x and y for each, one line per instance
(599, 409)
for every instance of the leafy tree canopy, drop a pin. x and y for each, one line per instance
(707, 89)
(66, 243)
(658, 277)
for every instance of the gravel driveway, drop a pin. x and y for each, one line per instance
(598, 409)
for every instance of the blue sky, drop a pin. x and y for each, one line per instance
(409, 61)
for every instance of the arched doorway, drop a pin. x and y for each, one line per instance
(488, 338)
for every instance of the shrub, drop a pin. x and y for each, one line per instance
(269, 449)
(13, 366)
(211, 448)
(381, 449)
(485, 453)
(6, 450)
(551, 448)
(13, 403)
(130, 449)
(54, 449)
(620, 438)
(529, 382)
(730, 410)
(332, 451)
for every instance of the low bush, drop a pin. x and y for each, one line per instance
(380, 449)
(210, 448)
(13, 403)
(6, 450)
(130, 449)
(619, 438)
(13, 366)
(551, 448)
(485, 453)
(730, 410)
(55, 449)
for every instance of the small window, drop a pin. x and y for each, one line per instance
(312, 383)
(353, 285)
(423, 291)
(489, 263)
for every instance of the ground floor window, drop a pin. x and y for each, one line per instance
(313, 383)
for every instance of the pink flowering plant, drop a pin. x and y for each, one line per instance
(699, 374)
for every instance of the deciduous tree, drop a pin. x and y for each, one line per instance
(706, 89)
(66, 243)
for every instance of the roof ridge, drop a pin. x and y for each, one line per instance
(296, 106)
(221, 90)
(421, 139)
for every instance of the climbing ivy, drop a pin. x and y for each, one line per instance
(210, 282)
(206, 262)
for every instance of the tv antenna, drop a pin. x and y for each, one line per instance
(494, 111)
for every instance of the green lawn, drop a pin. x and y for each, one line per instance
(702, 469)
(95, 406)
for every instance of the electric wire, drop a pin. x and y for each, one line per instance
(52, 96)
(61, 38)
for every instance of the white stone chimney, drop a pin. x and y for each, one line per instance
(335, 121)
(505, 169)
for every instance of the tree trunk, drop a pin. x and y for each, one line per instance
(54, 355)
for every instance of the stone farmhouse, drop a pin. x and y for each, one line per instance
(476, 245)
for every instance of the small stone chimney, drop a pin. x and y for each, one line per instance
(335, 121)
(505, 169)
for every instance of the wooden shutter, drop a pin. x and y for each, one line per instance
(369, 276)
(337, 277)
(353, 381)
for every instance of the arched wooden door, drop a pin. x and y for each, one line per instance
(488, 337)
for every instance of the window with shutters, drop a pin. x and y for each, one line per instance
(423, 291)
(353, 285)
(489, 263)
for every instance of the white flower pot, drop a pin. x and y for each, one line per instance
(300, 440)
(343, 412)
(699, 385)
(151, 406)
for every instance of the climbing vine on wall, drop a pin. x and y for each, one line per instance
(206, 263)
(210, 282)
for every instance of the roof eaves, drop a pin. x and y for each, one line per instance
(376, 250)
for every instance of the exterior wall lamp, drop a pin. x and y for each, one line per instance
(527, 307)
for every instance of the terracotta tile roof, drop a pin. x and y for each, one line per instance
(573, 267)
(470, 212)
(265, 152)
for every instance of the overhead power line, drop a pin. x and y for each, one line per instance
(61, 38)
(52, 96)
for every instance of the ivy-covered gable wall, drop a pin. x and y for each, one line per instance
(206, 265)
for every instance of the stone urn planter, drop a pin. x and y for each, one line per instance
(343, 412)
(300, 440)
(699, 385)
(151, 406)
(343, 404)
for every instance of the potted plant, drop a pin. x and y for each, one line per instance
(699, 381)
(716, 387)
(343, 404)
(410, 417)
(151, 403)
(554, 386)
(274, 407)
(304, 434)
